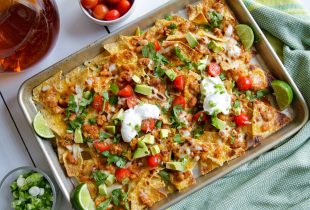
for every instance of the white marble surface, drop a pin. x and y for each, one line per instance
(76, 31)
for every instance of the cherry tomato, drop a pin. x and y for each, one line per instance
(179, 82)
(126, 91)
(179, 100)
(244, 83)
(123, 6)
(214, 69)
(153, 160)
(148, 125)
(113, 1)
(97, 103)
(121, 174)
(112, 15)
(157, 45)
(132, 101)
(101, 146)
(89, 4)
(100, 11)
(200, 116)
(242, 120)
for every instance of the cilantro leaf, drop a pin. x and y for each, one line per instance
(215, 19)
(119, 161)
(113, 100)
(177, 138)
(99, 177)
(104, 205)
(165, 176)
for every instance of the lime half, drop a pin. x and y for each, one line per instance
(284, 93)
(41, 128)
(246, 35)
(81, 199)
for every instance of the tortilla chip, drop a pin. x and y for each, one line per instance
(55, 122)
(60, 150)
(115, 47)
(77, 76)
(73, 170)
(188, 180)
(196, 14)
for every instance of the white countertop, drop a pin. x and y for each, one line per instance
(17, 142)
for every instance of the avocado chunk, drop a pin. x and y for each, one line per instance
(164, 133)
(171, 74)
(141, 144)
(215, 47)
(155, 149)
(78, 137)
(148, 139)
(177, 166)
(110, 129)
(141, 152)
(192, 41)
(143, 89)
(110, 180)
(103, 189)
(219, 124)
(136, 79)
(119, 115)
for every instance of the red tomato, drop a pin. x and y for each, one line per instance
(126, 91)
(113, 1)
(214, 69)
(200, 116)
(179, 82)
(132, 101)
(100, 11)
(121, 174)
(123, 6)
(157, 45)
(153, 160)
(101, 146)
(179, 100)
(148, 125)
(242, 120)
(244, 83)
(97, 103)
(89, 4)
(112, 15)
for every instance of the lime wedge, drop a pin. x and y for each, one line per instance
(41, 128)
(284, 93)
(246, 35)
(81, 199)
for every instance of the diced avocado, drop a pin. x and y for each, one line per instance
(110, 180)
(155, 149)
(141, 144)
(143, 89)
(192, 41)
(219, 124)
(78, 137)
(171, 74)
(141, 152)
(103, 189)
(148, 139)
(178, 166)
(136, 79)
(164, 133)
(110, 129)
(119, 115)
(215, 47)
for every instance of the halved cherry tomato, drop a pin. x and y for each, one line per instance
(132, 101)
(179, 82)
(148, 125)
(244, 83)
(113, 1)
(121, 174)
(100, 11)
(157, 45)
(126, 91)
(153, 160)
(112, 15)
(97, 103)
(101, 146)
(242, 120)
(179, 100)
(200, 116)
(214, 69)
(89, 4)
(123, 6)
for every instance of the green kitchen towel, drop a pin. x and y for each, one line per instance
(280, 178)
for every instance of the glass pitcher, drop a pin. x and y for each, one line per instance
(28, 30)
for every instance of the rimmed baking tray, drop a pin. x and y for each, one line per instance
(266, 54)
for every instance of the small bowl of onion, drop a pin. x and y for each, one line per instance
(107, 12)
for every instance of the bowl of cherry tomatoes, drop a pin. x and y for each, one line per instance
(107, 12)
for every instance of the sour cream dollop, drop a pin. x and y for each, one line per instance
(133, 118)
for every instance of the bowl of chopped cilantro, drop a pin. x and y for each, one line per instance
(27, 188)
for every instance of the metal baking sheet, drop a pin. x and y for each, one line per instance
(265, 51)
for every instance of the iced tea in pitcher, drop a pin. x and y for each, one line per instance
(28, 30)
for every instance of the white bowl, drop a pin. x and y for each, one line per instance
(111, 22)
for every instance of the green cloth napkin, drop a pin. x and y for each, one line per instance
(280, 178)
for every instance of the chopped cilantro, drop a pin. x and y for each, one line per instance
(165, 176)
(119, 161)
(92, 121)
(119, 195)
(198, 132)
(103, 135)
(174, 119)
(158, 124)
(168, 17)
(250, 95)
(177, 138)
(113, 100)
(212, 104)
(261, 93)
(222, 75)
(215, 19)
(116, 139)
(114, 88)
(104, 205)
(100, 177)
(172, 26)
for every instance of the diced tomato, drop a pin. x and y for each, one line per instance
(121, 174)
(242, 120)
(123, 6)
(179, 82)
(112, 14)
(244, 83)
(153, 160)
(179, 100)
(200, 116)
(157, 45)
(132, 101)
(97, 103)
(148, 125)
(214, 69)
(101, 146)
(126, 91)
